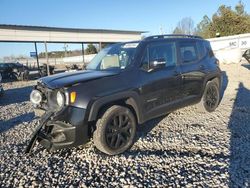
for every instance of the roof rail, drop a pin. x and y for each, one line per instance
(172, 36)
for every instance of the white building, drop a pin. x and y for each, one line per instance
(230, 49)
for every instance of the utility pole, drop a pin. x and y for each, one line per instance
(83, 55)
(47, 58)
(65, 49)
(37, 60)
(100, 46)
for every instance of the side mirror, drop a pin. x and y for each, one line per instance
(157, 64)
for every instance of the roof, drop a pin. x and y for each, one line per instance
(63, 29)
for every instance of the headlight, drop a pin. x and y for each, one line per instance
(36, 97)
(60, 99)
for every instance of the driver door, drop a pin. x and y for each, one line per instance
(160, 86)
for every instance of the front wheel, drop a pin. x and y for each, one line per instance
(211, 97)
(115, 130)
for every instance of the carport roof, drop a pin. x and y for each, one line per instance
(64, 29)
(23, 33)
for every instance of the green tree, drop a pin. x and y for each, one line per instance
(91, 49)
(226, 21)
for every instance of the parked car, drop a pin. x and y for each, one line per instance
(44, 72)
(126, 84)
(14, 71)
(71, 68)
(20, 71)
(1, 87)
(5, 71)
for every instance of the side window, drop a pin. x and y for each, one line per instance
(201, 49)
(163, 51)
(188, 52)
(159, 51)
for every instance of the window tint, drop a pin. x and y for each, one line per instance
(188, 52)
(163, 52)
(201, 49)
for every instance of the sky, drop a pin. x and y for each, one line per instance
(142, 15)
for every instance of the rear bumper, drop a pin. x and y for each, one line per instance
(68, 129)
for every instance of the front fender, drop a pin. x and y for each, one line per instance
(129, 97)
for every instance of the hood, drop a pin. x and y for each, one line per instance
(70, 78)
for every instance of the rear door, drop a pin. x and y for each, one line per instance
(193, 67)
(160, 87)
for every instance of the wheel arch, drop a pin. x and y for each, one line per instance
(216, 77)
(127, 99)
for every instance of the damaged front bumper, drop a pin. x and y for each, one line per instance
(64, 130)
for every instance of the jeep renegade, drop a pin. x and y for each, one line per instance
(126, 84)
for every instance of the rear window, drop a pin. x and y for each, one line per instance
(188, 52)
(208, 49)
(201, 49)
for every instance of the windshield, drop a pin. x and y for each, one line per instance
(117, 56)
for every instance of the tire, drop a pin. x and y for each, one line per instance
(115, 130)
(210, 98)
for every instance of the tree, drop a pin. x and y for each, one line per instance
(185, 26)
(240, 8)
(225, 21)
(91, 49)
(203, 28)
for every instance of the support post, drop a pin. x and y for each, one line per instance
(100, 46)
(37, 59)
(47, 58)
(83, 54)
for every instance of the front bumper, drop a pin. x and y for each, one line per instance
(65, 130)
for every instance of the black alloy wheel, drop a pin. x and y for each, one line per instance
(118, 131)
(115, 130)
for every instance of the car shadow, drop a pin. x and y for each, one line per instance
(239, 125)
(145, 128)
(224, 84)
(8, 124)
(16, 95)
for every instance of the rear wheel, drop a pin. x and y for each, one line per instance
(211, 97)
(115, 130)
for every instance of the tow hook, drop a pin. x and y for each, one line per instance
(44, 119)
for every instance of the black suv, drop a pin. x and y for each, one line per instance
(126, 84)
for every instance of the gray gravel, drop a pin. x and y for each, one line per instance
(186, 148)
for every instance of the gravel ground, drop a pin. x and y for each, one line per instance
(185, 148)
